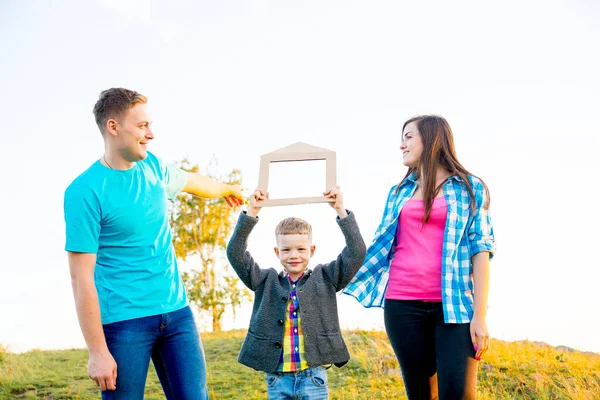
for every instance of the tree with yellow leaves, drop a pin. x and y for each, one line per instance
(201, 227)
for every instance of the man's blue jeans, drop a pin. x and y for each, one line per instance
(310, 384)
(173, 343)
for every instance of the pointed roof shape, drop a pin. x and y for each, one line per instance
(299, 147)
(299, 150)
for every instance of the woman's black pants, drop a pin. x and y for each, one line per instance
(425, 345)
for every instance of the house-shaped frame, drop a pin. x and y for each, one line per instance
(297, 152)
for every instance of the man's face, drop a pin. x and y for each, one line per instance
(294, 253)
(132, 133)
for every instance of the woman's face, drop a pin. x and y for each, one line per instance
(412, 145)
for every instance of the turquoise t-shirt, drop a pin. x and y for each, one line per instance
(122, 217)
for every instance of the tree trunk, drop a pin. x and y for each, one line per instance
(216, 314)
(216, 319)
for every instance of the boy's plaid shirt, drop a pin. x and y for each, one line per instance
(467, 233)
(292, 355)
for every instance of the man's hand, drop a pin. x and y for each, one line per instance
(205, 186)
(338, 205)
(253, 207)
(234, 197)
(102, 368)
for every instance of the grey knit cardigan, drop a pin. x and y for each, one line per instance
(316, 292)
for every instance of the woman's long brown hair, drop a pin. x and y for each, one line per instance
(438, 149)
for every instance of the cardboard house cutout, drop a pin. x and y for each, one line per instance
(297, 152)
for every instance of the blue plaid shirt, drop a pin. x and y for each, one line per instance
(467, 233)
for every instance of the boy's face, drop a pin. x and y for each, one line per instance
(294, 253)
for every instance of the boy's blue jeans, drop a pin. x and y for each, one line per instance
(173, 343)
(310, 384)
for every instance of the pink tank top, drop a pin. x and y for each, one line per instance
(416, 270)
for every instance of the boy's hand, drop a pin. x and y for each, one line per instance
(253, 208)
(338, 205)
(234, 197)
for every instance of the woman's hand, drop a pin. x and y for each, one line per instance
(479, 336)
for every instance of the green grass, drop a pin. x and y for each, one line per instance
(509, 371)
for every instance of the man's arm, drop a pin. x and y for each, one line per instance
(203, 186)
(102, 367)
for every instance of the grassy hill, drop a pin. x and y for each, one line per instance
(523, 370)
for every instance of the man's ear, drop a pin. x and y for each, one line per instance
(312, 250)
(276, 251)
(111, 127)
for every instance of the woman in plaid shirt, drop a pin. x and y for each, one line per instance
(429, 265)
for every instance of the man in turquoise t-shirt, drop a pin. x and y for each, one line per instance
(130, 298)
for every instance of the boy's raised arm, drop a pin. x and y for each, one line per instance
(240, 259)
(342, 270)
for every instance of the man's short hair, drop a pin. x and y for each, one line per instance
(294, 226)
(113, 103)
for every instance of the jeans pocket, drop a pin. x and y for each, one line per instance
(318, 381)
(319, 377)
(272, 380)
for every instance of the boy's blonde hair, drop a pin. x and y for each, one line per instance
(294, 226)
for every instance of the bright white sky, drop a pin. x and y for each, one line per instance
(517, 80)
